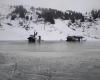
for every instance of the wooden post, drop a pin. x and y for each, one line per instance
(39, 39)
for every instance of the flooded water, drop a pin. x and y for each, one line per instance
(50, 49)
(66, 61)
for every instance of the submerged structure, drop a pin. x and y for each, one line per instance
(33, 38)
(74, 38)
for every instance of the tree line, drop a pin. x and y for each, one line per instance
(49, 15)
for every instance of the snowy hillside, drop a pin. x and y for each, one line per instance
(21, 29)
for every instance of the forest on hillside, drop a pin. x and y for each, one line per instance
(49, 15)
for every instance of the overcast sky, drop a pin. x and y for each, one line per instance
(77, 5)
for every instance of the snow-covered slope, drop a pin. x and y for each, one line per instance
(12, 30)
(58, 31)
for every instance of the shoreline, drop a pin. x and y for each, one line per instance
(87, 40)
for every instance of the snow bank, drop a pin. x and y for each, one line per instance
(58, 31)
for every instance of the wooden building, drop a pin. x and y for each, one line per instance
(75, 38)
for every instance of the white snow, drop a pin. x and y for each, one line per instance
(57, 31)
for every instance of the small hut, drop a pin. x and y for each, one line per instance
(74, 38)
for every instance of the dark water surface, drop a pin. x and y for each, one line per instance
(63, 60)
